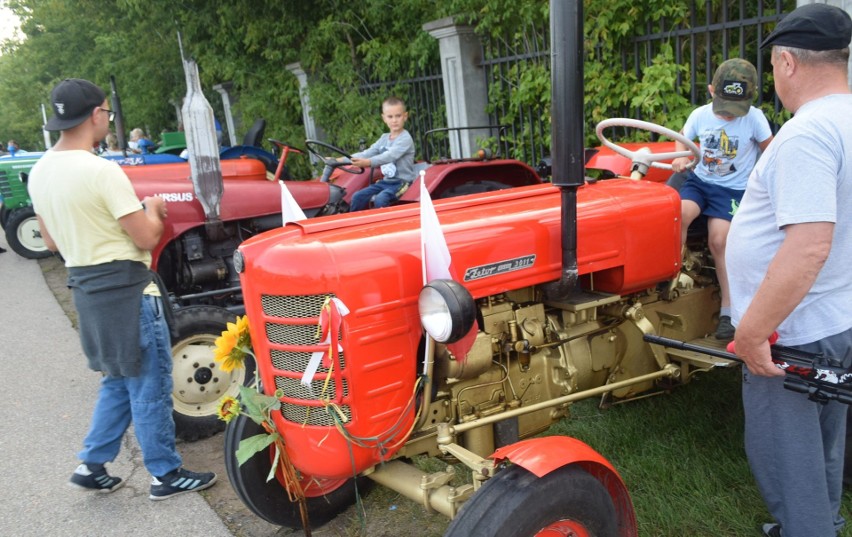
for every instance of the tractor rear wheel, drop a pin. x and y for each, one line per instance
(516, 503)
(199, 382)
(24, 235)
(326, 498)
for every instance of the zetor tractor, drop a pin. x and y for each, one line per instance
(559, 283)
(194, 258)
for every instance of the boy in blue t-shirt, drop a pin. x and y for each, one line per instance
(732, 133)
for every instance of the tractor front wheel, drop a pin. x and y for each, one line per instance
(199, 382)
(24, 235)
(516, 503)
(325, 498)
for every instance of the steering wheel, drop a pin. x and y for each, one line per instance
(282, 145)
(644, 158)
(315, 147)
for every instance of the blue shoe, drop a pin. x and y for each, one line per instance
(178, 482)
(98, 480)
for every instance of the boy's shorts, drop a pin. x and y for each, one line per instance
(714, 201)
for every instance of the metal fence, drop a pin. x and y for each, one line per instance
(715, 31)
(424, 99)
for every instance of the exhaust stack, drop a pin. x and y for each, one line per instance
(567, 121)
(203, 148)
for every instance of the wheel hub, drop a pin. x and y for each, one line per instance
(203, 375)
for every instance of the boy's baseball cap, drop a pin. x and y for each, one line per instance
(813, 27)
(734, 86)
(73, 100)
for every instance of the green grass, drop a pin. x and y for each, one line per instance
(681, 455)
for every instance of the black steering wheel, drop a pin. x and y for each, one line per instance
(321, 149)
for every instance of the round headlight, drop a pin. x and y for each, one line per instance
(239, 262)
(447, 310)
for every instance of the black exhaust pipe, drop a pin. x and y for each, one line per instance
(567, 121)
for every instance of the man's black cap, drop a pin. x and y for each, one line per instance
(813, 27)
(73, 100)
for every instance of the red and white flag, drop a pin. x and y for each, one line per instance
(290, 210)
(437, 263)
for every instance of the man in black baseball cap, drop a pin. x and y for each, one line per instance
(88, 210)
(813, 27)
(73, 100)
(788, 251)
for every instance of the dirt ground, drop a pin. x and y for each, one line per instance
(386, 513)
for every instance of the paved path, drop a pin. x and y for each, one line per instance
(45, 404)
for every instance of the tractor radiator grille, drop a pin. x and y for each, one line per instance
(282, 331)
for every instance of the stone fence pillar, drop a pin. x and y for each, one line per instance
(465, 89)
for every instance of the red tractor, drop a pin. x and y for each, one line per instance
(194, 256)
(558, 284)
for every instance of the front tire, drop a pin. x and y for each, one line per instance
(199, 382)
(516, 503)
(326, 498)
(23, 234)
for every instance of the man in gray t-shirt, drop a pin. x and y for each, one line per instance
(788, 256)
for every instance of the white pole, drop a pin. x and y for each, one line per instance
(47, 144)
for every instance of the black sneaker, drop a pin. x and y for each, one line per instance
(772, 530)
(725, 330)
(94, 480)
(180, 481)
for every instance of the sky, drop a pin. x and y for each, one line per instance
(8, 22)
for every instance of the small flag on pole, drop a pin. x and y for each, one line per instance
(290, 210)
(437, 263)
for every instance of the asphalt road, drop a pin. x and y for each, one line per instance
(47, 399)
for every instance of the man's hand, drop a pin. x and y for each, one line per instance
(145, 227)
(757, 357)
(155, 205)
(362, 162)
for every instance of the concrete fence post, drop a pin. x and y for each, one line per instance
(465, 88)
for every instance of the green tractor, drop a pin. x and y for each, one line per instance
(16, 213)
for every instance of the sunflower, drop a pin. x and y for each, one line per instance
(229, 408)
(233, 345)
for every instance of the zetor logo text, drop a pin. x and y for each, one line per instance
(176, 196)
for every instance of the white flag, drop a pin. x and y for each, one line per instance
(433, 247)
(437, 263)
(290, 210)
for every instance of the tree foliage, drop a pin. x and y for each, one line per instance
(352, 52)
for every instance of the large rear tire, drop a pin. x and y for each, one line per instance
(516, 503)
(24, 235)
(199, 382)
(326, 498)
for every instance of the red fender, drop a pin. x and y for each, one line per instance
(543, 455)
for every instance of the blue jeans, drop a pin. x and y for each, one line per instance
(385, 190)
(146, 400)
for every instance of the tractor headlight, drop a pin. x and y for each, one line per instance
(447, 310)
(239, 262)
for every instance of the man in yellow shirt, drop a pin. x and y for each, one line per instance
(88, 211)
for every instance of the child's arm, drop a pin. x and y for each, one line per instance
(403, 145)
